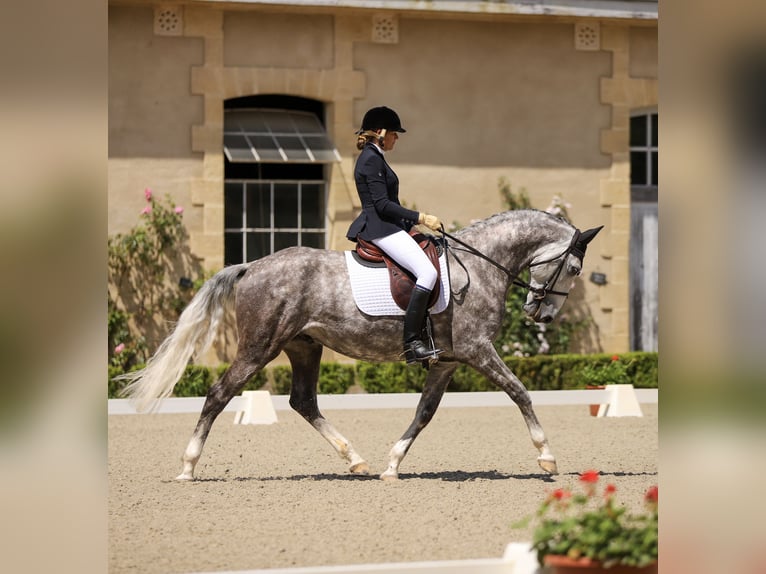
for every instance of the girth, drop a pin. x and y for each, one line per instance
(401, 280)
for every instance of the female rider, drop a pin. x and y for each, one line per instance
(385, 222)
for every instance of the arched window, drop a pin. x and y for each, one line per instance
(276, 151)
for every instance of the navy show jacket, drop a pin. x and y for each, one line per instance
(378, 189)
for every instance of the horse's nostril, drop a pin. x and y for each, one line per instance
(547, 319)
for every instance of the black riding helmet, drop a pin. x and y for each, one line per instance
(381, 118)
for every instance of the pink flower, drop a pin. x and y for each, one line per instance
(179, 210)
(146, 210)
(119, 348)
(148, 194)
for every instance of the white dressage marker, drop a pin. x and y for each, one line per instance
(623, 402)
(257, 409)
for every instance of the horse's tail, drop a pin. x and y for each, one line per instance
(196, 328)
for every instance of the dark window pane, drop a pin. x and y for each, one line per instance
(286, 205)
(266, 148)
(282, 240)
(654, 168)
(249, 121)
(232, 211)
(279, 122)
(312, 240)
(654, 130)
(293, 148)
(312, 206)
(237, 148)
(638, 168)
(232, 248)
(321, 148)
(306, 123)
(258, 205)
(638, 135)
(258, 245)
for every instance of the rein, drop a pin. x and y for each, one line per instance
(539, 292)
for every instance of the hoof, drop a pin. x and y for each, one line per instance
(360, 468)
(548, 464)
(184, 476)
(389, 477)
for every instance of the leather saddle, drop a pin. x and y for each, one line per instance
(401, 280)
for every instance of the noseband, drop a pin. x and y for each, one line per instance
(539, 293)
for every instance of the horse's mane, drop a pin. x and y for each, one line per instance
(503, 216)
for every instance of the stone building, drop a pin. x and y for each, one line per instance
(558, 97)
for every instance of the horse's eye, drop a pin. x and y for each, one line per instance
(573, 269)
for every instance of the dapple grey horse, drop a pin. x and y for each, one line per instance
(299, 300)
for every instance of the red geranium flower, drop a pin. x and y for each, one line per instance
(652, 495)
(615, 357)
(561, 494)
(609, 490)
(589, 476)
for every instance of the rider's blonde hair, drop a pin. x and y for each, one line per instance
(369, 136)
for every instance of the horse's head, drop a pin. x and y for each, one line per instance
(553, 275)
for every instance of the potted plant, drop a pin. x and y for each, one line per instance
(598, 376)
(579, 532)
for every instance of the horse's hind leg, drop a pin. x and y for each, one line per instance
(218, 397)
(305, 356)
(492, 366)
(438, 378)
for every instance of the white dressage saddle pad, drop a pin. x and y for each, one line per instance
(372, 289)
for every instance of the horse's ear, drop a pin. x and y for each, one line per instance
(587, 236)
(583, 240)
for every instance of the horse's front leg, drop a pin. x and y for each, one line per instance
(492, 366)
(438, 377)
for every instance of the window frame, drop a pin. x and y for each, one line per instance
(647, 192)
(244, 229)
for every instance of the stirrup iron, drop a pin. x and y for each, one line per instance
(417, 351)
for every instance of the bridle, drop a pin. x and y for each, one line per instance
(539, 293)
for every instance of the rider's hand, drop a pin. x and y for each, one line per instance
(430, 221)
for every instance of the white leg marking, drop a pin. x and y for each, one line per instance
(546, 460)
(357, 464)
(395, 458)
(190, 458)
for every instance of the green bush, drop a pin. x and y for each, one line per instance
(553, 372)
(390, 377)
(466, 379)
(114, 388)
(281, 380)
(195, 382)
(537, 373)
(334, 379)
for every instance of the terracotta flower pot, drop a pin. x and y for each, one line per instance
(566, 565)
(594, 408)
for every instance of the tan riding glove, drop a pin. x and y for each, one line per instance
(430, 221)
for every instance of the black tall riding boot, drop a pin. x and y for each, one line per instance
(414, 348)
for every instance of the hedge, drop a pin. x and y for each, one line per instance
(334, 379)
(196, 381)
(539, 372)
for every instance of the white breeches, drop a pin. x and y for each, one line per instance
(403, 249)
